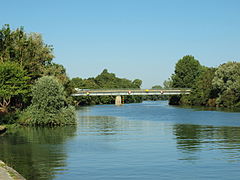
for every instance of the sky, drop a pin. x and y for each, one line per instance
(135, 39)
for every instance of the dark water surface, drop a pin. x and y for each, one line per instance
(136, 141)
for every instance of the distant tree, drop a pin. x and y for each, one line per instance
(155, 97)
(49, 105)
(157, 87)
(78, 83)
(90, 83)
(137, 83)
(167, 84)
(187, 70)
(13, 83)
(105, 80)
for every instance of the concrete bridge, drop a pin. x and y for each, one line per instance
(128, 92)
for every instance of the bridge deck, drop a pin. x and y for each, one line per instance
(131, 92)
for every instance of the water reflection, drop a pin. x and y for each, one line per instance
(192, 139)
(37, 153)
(188, 136)
(104, 125)
(136, 141)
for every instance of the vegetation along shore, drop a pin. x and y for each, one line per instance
(35, 91)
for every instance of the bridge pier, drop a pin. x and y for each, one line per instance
(118, 101)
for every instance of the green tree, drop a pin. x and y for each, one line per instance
(157, 87)
(203, 92)
(13, 83)
(155, 97)
(49, 105)
(84, 84)
(187, 70)
(58, 71)
(167, 84)
(105, 80)
(227, 82)
(137, 83)
(28, 50)
(78, 83)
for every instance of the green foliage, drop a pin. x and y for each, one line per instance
(210, 86)
(167, 84)
(187, 70)
(104, 77)
(78, 83)
(227, 82)
(57, 71)
(9, 118)
(137, 83)
(175, 100)
(49, 105)
(30, 53)
(157, 87)
(155, 97)
(13, 83)
(227, 76)
(105, 80)
(28, 50)
(202, 89)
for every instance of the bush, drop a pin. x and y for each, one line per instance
(49, 105)
(8, 118)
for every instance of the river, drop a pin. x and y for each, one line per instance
(150, 140)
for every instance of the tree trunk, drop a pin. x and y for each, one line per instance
(4, 105)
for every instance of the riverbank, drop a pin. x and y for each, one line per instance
(8, 173)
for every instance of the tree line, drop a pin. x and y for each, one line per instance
(105, 80)
(36, 91)
(213, 87)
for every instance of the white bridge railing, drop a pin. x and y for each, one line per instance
(127, 92)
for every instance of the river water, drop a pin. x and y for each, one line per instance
(150, 140)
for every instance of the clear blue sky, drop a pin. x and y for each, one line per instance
(132, 38)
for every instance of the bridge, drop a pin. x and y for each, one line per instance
(128, 92)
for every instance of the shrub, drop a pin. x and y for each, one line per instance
(49, 105)
(8, 118)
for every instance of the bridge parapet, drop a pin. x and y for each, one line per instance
(131, 92)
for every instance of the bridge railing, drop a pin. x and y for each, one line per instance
(102, 92)
(131, 89)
